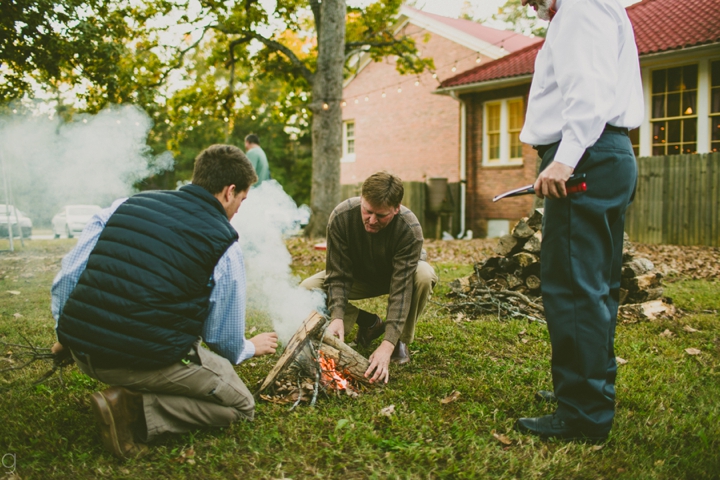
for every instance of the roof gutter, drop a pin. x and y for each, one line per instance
(482, 86)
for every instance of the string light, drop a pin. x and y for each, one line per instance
(325, 106)
(383, 94)
(343, 104)
(399, 89)
(478, 59)
(357, 101)
(454, 68)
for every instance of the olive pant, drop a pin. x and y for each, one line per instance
(424, 281)
(183, 396)
(581, 259)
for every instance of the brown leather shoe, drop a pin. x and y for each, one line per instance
(366, 335)
(116, 410)
(400, 355)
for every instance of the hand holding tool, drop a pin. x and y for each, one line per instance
(574, 184)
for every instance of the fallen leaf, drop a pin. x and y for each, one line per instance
(252, 330)
(387, 411)
(502, 438)
(13, 292)
(620, 361)
(667, 333)
(17, 315)
(450, 398)
(690, 329)
(620, 470)
(692, 351)
(520, 334)
(597, 448)
(524, 340)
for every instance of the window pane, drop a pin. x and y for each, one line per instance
(674, 79)
(516, 115)
(715, 101)
(493, 118)
(715, 76)
(689, 102)
(658, 150)
(350, 146)
(690, 77)
(658, 81)
(350, 129)
(634, 135)
(658, 106)
(673, 105)
(715, 129)
(494, 146)
(515, 146)
(673, 131)
(658, 132)
(690, 131)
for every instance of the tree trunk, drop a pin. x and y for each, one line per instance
(327, 116)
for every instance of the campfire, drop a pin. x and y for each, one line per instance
(314, 363)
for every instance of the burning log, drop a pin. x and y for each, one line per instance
(314, 362)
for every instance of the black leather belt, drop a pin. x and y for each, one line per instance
(542, 149)
(613, 128)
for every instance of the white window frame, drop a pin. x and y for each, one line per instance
(348, 157)
(504, 159)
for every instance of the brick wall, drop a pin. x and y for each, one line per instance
(483, 183)
(414, 134)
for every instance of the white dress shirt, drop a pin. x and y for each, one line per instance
(224, 328)
(587, 74)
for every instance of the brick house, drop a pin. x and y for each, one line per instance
(680, 63)
(395, 122)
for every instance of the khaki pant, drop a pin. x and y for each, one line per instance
(180, 398)
(424, 281)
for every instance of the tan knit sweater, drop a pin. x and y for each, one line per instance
(387, 259)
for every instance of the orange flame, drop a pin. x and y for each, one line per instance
(331, 375)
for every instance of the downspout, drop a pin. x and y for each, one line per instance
(463, 160)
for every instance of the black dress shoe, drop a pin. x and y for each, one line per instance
(545, 396)
(400, 355)
(366, 335)
(550, 426)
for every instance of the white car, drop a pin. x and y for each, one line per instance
(15, 215)
(72, 219)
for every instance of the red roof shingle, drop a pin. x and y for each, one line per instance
(659, 25)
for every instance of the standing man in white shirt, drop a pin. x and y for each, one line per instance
(585, 95)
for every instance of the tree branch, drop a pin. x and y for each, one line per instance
(294, 60)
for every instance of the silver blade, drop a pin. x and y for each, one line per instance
(511, 193)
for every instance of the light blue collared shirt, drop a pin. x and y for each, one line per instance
(224, 328)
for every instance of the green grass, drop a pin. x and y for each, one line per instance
(667, 424)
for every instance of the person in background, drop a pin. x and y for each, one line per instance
(585, 95)
(374, 247)
(257, 158)
(151, 278)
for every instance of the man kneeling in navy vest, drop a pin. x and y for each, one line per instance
(151, 278)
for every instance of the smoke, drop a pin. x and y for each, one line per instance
(261, 222)
(92, 160)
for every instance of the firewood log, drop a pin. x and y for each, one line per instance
(645, 295)
(525, 259)
(636, 267)
(522, 230)
(513, 281)
(532, 282)
(506, 245)
(535, 220)
(533, 243)
(642, 282)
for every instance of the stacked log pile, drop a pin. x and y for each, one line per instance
(515, 273)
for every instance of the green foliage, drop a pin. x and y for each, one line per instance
(516, 17)
(667, 424)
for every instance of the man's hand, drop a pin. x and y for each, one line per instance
(380, 363)
(551, 181)
(337, 329)
(265, 343)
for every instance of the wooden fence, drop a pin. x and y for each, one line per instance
(677, 201)
(415, 199)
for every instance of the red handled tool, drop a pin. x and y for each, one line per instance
(575, 184)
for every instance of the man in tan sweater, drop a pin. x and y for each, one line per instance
(374, 246)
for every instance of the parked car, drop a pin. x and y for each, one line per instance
(25, 223)
(72, 219)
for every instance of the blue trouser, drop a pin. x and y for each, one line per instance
(581, 259)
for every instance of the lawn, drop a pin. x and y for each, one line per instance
(667, 424)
